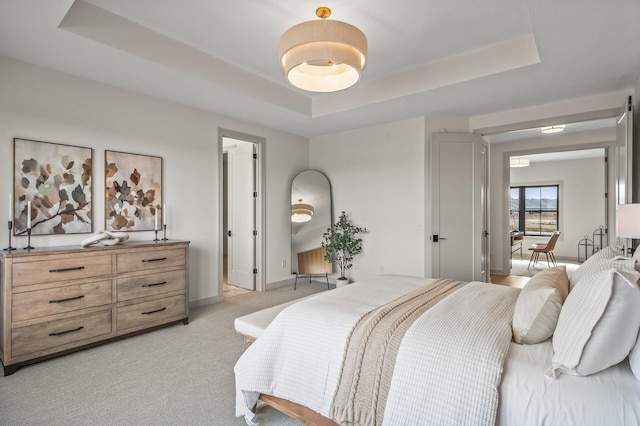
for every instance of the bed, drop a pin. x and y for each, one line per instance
(455, 362)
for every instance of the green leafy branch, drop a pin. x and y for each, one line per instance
(341, 243)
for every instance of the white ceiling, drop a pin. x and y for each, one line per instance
(426, 57)
(566, 155)
(570, 128)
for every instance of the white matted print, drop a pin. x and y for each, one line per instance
(133, 191)
(54, 180)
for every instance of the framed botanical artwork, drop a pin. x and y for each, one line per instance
(133, 191)
(51, 188)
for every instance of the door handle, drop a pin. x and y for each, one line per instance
(442, 238)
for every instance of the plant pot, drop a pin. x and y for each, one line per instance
(341, 282)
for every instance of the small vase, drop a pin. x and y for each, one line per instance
(341, 282)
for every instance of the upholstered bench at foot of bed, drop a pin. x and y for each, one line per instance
(252, 325)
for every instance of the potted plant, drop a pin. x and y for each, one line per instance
(341, 243)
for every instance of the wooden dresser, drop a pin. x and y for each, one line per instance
(61, 299)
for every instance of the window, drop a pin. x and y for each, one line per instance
(534, 209)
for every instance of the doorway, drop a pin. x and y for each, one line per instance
(564, 191)
(241, 213)
(577, 136)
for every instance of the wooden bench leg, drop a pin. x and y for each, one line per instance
(247, 342)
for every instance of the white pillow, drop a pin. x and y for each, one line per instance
(597, 262)
(599, 322)
(634, 359)
(538, 306)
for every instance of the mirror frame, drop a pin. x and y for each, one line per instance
(291, 197)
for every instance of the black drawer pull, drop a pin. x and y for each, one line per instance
(154, 260)
(153, 285)
(77, 268)
(60, 333)
(153, 312)
(66, 300)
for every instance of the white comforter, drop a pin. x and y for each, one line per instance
(299, 356)
(303, 365)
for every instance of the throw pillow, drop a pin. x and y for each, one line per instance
(634, 359)
(599, 322)
(538, 306)
(595, 263)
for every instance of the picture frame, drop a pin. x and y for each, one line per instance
(133, 191)
(54, 180)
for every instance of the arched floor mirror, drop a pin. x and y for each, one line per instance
(311, 216)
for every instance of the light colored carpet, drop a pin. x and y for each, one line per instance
(179, 375)
(519, 266)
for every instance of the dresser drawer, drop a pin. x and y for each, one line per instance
(39, 337)
(151, 259)
(150, 284)
(151, 311)
(44, 271)
(36, 304)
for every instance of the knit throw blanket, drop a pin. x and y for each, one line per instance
(377, 341)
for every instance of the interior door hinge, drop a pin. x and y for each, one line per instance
(255, 194)
(255, 156)
(255, 270)
(255, 233)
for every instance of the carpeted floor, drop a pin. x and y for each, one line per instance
(179, 375)
(520, 266)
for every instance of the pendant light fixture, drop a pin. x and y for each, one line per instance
(301, 213)
(518, 162)
(323, 55)
(553, 129)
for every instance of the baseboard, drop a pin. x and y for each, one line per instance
(203, 302)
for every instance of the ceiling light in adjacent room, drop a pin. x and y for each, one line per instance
(553, 129)
(323, 55)
(518, 162)
(301, 212)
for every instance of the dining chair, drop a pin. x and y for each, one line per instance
(546, 248)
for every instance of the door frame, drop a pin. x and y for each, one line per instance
(562, 119)
(609, 177)
(260, 210)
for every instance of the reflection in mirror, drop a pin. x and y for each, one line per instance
(311, 215)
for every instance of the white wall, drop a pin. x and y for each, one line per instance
(582, 204)
(377, 176)
(499, 195)
(45, 105)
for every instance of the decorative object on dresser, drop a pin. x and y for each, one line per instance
(62, 299)
(10, 226)
(133, 191)
(106, 238)
(52, 188)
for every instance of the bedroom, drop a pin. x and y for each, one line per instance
(61, 106)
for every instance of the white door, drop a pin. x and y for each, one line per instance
(241, 215)
(624, 165)
(459, 184)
